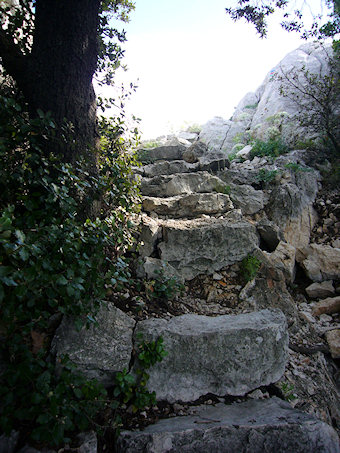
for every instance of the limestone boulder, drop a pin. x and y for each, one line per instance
(251, 427)
(221, 355)
(102, 350)
(150, 234)
(180, 184)
(214, 134)
(320, 262)
(247, 198)
(283, 259)
(165, 167)
(188, 206)
(206, 245)
(171, 149)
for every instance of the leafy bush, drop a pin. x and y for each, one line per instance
(55, 261)
(265, 175)
(271, 148)
(130, 389)
(249, 267)
(296, 168)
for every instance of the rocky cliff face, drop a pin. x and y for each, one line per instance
(204, 219)
(267, 113)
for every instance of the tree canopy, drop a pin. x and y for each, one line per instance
(324, 23)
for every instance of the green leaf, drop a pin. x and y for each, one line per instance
(61, 281)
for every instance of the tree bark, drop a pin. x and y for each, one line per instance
(57, 75)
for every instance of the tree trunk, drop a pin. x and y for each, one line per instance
(57, 75)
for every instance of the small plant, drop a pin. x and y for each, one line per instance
(194, 128)
(252, 106)
(249, 267)
(296, 168)
(288, 391)
(163, 287)
(265, 175)
(131, 389)
(223, 189)
(271, 148)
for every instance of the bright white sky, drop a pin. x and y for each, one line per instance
(191, 62)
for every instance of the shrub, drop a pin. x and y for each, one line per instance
(55, 261)
(270, 148)
(249, 267)
(265, 175)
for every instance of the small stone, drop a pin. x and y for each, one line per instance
(320, 290)
(217, 276)
(329, 306)
(307, 316)
(177, 407)
(256, 395)
(333, 340)
(326, 318)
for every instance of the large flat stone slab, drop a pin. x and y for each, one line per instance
(102, 350)
(221, 355)
(168, 168)
(203, 246)
(188, 206)
(180, 184)
(252, 427)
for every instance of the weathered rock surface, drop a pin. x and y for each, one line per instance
(101, 350)
(168, 168)
(169, 150)
(247, 198)
(320, 290)
(333, 340)
(188, 206)
(328, 306)
(195, 246)
(320, 262)
(251, 427)
(221, 355)
(180, 184)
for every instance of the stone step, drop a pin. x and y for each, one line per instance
(223, 355)
(188, 206)
(165, 167)
(205, 245)
(171, 150)
(180, 184)
(251, 427)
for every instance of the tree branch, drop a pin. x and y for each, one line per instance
(11, 56)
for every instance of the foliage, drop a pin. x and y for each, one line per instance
(265, 175)
(252, 106)
(164, 286)
(18, 17)
(130, 389)
(226, 189)
(296, 168)
(322, 23)
(249, 267)
(195, 127)
(54, 262)
(270, 148)
(316, 96)
(288, 391)
(47, 401)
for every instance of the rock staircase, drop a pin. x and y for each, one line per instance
(199, 218)
(202, 215)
